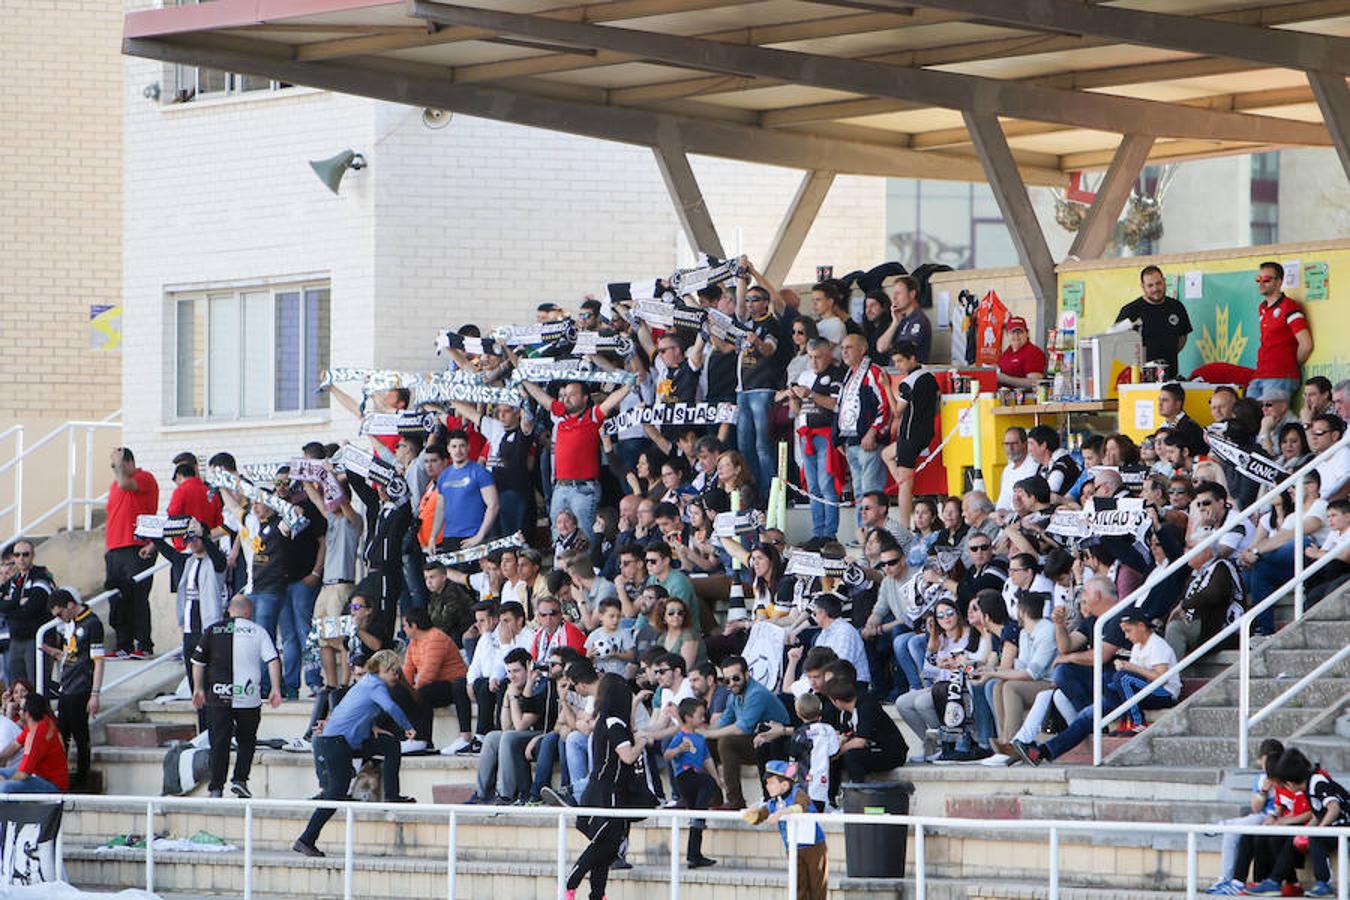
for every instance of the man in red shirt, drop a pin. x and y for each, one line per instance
(1286, 340)
(43, 769)
(1022, 364)
(191, 498)
(133, 492)
(576, 448)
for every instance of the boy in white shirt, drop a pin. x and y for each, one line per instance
(609, 646)
(1150, 656)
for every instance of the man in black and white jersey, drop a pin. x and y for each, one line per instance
(81, 655)
(227, 669)
(916, 408)
(1057, 466)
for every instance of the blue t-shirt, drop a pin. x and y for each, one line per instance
(464, 508)
(690, 759)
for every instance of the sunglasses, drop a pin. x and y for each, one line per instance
(1176, 490)
(660, 671)
(946, 614)
(675, 612)
(1265, 279)
(891, 562)
(23, 553)
(735, 679)
(356, 606)
(1203, 504)
(1323, 433)
(981, 548)
(654, 560)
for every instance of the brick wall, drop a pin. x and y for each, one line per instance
(60, 190)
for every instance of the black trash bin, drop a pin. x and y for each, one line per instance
(876, 851)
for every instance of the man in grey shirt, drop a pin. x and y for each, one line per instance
(342, 543)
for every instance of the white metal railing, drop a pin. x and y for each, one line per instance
(73, 498)
(1295, 584)
(97, 600)
(922, 826)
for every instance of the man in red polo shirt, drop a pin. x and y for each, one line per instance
(133, 492)
(1022, 364)
(1286, 340)
(191, 498)
(576, 448)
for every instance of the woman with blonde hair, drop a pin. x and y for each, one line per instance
(733, 477)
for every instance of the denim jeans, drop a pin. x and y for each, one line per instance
(1075, 680)
(267, 613)
(577, 760)
(754, 438)
(819, 481)
(548, 755)
(333, 765)
(297, 612)
(909, 649)
(581, 497)
(1258, 386)
(33, 784)
(1272, 570)
(985, 724)
(866, 471)
(514, 514)
(414, 593)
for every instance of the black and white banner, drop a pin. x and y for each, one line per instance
(542, 371)
(360, 461)
(1127, 518)
(388, 424)
(806, 562)
(315, 471)
(289, 512)
(564, 332)
(467, 387)
(166, 527)
(686, 281)
(735, 524)
(666, 316)
(473, 554)
(589, 343)
(725, 328)
(672, 414)
(372, 380)
(1257, 468)
(474, 346)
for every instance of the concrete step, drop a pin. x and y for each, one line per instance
(410, 852)
(1316, 695)
(1328, 635)
(1013, 806)
(1333, 752)
(147, 734)
(1279, 662)
(1220, 721)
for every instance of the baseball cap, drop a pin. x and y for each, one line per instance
(782, 768)
(1017, 323)
(1133, 614)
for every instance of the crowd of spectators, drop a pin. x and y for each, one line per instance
(405, 589)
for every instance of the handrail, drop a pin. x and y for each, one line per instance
(1052, 828)
(1158, 575)
(52, 435)
(1214, 641)
(41, 673)
(71, 501)
(1326, 666)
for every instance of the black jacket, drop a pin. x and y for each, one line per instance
(24, 603)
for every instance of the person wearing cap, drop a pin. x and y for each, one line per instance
(1150, 657)
(81, 656)
(549, 312)
(1162, 320)
(787, 795)
(1022, 363)
(1275, 414)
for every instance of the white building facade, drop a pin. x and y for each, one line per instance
(244, 276)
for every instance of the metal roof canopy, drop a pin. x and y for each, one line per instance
(1015, 92)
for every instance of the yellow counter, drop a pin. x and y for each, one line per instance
(1139, 407)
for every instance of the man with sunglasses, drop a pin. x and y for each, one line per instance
(1211, 509)
(751, 706)
(24, 606)
(1275, 414)
(1325, 431)
(1286, 339)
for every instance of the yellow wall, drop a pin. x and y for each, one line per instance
(1109, 284)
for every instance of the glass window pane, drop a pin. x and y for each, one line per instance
(191, 373)
(211, 81)
(223, 394)
(254, 83)
(286, 352)
(993, 246)
(257, 353)
(317, 339)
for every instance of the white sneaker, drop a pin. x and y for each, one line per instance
(998, 759)
(459, 744)
(413, 746)
(297, 745)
